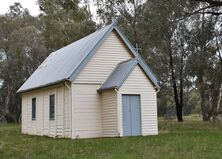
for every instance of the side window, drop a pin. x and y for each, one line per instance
(52, 107)
(33, 108)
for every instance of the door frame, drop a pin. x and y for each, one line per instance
(140, 111)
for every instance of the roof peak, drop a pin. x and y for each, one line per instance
(113, 20)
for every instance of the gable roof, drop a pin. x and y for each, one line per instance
(66, 63)
(119, 75)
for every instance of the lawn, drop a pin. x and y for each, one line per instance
(191, 139)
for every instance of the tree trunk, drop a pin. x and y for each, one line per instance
(219, 100)
(204, 102)
(181, 83)
(176, 97)
(134, 24)
(7, 100)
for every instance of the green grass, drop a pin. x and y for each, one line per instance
(191, 139)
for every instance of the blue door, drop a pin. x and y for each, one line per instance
(131, 115)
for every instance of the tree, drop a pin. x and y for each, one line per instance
(64, 22)
(205, 64)
(23, 47)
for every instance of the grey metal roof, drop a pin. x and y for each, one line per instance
(66, 63)
(59, 65)
(119, 75)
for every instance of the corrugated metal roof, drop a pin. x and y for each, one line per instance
(67, 62)
(59, 65)
(119, 75)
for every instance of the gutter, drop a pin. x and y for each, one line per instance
(42, 86)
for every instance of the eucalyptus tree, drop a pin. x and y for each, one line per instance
(23, 49)
(205, 62)
(64, 22)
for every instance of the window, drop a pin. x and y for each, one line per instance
(33, 108)
(52, 107)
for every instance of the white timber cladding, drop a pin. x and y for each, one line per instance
(86, 102)
(109, 114)
(87, 118)
(138, 83)
(106, 58)
(42, 125)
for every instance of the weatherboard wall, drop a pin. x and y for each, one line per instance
(42, 125)
(86, 101)
(137, 83)
(109, 114)
(86, 112)
(106, 58)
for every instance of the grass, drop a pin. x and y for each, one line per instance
(191, 139)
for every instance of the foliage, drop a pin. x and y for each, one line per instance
(22, 44)
(64, 22)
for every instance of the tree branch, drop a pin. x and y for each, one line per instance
(195, 12)
(212, 13)
(210, 2)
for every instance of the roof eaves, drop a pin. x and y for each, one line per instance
(106, 89)
(149, 72)
(42, 86)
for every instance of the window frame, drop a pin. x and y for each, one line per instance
(51, 116)
(34, 110)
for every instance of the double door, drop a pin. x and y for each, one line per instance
(131, 115)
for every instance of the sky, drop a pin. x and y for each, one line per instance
(31, 5)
